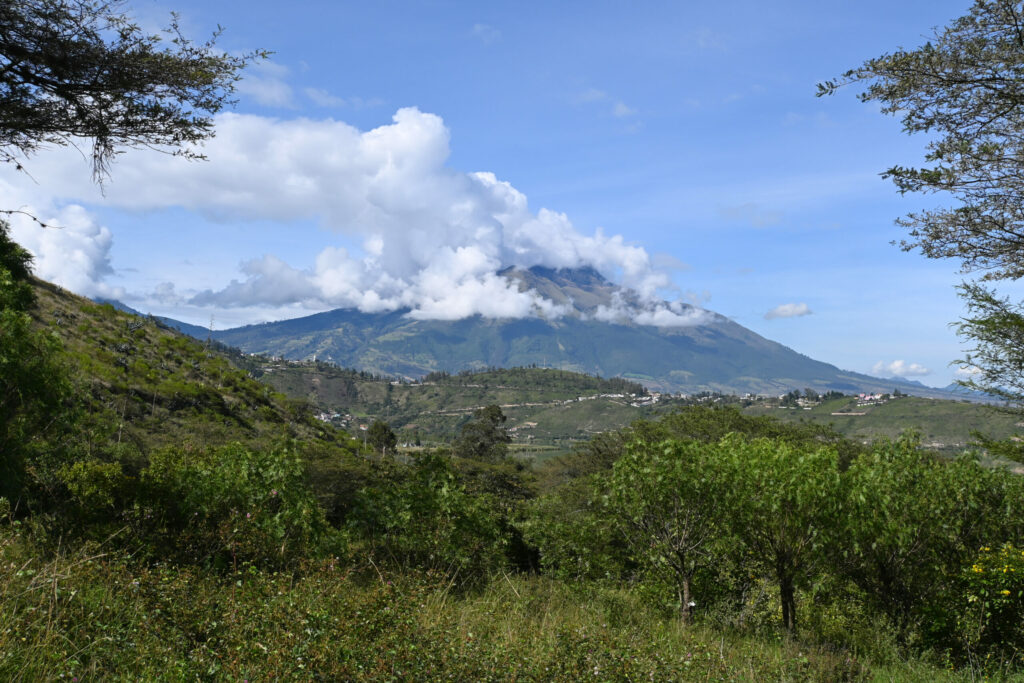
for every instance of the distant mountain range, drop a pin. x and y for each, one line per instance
(715, 355)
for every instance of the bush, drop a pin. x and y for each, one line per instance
(421, 517)
(228, 505)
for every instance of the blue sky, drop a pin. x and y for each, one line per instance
(677, 146)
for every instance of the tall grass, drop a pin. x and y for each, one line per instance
(87, 615)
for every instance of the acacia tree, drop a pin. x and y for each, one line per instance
(73, 70)
(965, 88)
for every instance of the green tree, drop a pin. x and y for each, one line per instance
(912, 523)
(33, 381)
(484, 437)
(421, 516)
(783, 502)
(381, 438)
(74, 69)
(668, 501)
(964, 90)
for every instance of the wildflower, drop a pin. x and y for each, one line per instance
(1004, 592)
(248, 515)
(273, 492)
(977, 569)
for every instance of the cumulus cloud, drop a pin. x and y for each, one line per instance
(967, 372)
(74, 253)
(431, 239)
(788, 311)
(899, 368)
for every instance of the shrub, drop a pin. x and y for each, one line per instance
(229, 504)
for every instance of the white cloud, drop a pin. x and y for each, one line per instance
(788, 311)
(432, 238)
(264, 82)
(658, 314)
(74, 253)
(590, 95)
(705, 39)
(967, 372)
(899, 368)
(619, 110)
(323, 98)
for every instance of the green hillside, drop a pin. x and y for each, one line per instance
(143, 385)
(544, 406)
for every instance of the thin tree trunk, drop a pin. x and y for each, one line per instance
(685, 608)
(787, 595)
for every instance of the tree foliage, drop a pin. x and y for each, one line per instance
(381, 437)
(964, 89)
(668, 498)
(33, 381)
(783, 505)
(484, 437)
(75, 70)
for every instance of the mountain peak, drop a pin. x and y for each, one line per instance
(583, 288)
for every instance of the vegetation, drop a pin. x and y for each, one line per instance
(185, 521)
(81, 69)
(165, 516)
(963, 90)
(484, 437)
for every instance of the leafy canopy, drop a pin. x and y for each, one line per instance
(74, 70)
(965, 89)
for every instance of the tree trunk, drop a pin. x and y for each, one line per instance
(787, 595)
(685, 598)
(685, 608)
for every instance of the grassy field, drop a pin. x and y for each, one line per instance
(94, 615)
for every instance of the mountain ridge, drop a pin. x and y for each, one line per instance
(714, 354)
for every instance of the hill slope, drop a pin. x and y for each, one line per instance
(716, 355)
(144, 385)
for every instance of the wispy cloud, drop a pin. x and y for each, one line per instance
(323, 98)
(704, 38)
(752, 214)
(899, 368)
(621, 110)
(788, 311)
(485, 33)
(618, 108)
(265, 83)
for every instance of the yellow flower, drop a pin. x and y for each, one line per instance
(1004, 592)
(977, 569)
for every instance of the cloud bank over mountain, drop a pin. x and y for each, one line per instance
(430, 238)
